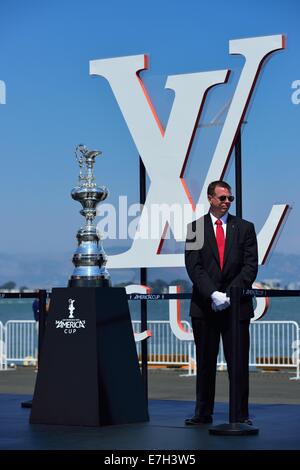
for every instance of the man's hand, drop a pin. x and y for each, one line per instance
(220, 301)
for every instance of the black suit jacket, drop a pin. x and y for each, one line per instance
(203, 267)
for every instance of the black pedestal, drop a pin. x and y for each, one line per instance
(83, 282)
(88, 372)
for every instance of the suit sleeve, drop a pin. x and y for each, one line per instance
(194, 266)
(248, 273)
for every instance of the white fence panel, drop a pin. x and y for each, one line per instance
(272, 344)
(21, 341)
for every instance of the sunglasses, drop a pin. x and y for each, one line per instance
(223, 198)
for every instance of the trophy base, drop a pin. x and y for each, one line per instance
(86, 282)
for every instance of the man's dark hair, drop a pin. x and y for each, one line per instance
(212, 186)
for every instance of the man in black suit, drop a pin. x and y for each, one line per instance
(221, 251)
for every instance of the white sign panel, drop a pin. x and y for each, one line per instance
(165, 151)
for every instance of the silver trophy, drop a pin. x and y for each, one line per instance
(89, 258)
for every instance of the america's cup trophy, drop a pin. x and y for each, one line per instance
(89, 258)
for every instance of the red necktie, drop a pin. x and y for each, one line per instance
(220, 237)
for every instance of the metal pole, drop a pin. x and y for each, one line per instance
(235, 298)
(143, 278)
(238, 174)
(42, 320)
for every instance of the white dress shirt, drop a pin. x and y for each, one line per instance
(224, 222)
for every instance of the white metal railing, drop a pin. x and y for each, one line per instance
(21, 341)
(3, 361)
(273, 343)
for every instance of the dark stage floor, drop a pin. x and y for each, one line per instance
(279, 429)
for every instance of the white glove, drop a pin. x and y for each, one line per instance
(220, 301)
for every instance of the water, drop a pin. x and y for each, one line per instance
(280, 309)
(16, 309)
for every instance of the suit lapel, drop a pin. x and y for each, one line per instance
(230, 231)
(210, 235)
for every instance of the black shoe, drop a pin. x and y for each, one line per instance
(198, 420)
(246, 421)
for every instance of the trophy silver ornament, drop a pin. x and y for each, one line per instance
(89, 258)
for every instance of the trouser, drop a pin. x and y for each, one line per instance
(207, 334)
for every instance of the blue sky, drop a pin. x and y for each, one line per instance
(52, 104)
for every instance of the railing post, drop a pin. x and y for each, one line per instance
(297, 356)
(5, 344)
(42, 295)
(235, 298)
(3, 355)
(190, 358)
